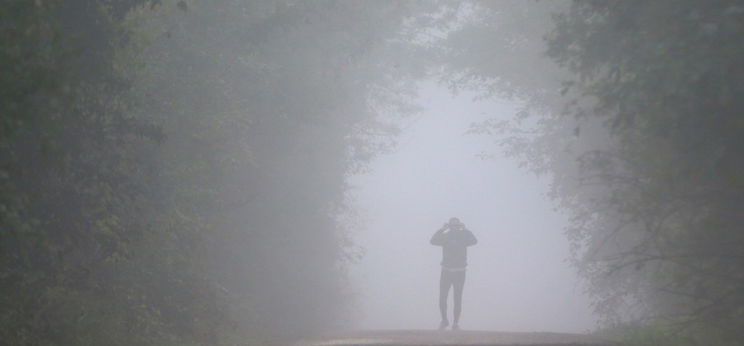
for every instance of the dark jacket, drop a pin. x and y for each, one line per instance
(454, 247)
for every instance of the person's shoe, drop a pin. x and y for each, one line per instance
(443, 324)
(455, 326)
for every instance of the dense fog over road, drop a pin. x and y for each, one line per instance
(518, 275)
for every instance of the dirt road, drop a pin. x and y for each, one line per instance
(431, 338)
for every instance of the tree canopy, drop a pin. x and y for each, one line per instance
(644, 148)
(665, 234)
(172, 171)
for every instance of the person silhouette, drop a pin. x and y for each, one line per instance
(454, 239)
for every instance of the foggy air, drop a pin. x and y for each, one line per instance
(306, 173)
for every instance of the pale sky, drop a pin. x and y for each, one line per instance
(518, 278)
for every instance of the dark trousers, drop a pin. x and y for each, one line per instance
(457, 280)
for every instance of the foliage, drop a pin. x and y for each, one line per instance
(664, 235)
(645, 149)
(261, 143)
(171, 172)
(70, 182)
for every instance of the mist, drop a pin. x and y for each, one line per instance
(518, 279)
(271, 172)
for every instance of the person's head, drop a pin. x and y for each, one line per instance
(454, 223)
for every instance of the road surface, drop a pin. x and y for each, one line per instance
(431, 338)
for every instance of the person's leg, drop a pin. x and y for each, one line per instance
(458, 281)
(444, 285)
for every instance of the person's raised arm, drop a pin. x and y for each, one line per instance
(437, 238)
(470, 240)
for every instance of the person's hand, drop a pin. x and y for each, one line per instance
(444, 227)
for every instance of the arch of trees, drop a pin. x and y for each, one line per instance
(172, 172)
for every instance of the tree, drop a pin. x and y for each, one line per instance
(70, 182)
(667, 83)
(644, 148)
(172, 171)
